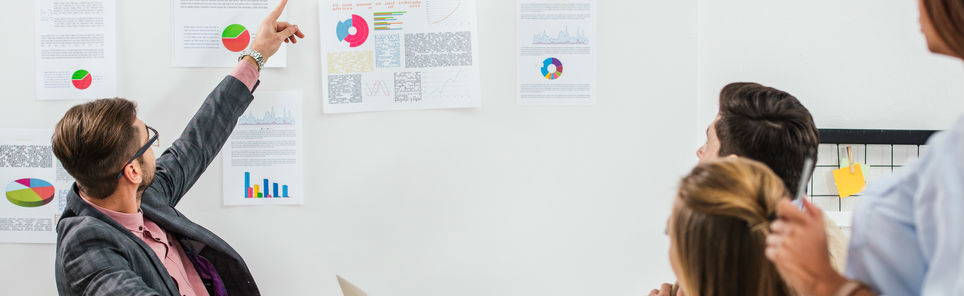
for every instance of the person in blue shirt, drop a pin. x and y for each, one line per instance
(908, 230)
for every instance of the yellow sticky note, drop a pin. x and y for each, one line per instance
(849, 184)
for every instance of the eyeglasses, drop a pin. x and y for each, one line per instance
(152, 142)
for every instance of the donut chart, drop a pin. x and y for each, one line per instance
(30, 192)
(235, 37)
(81, 79)
(343, 31)
(545, 68)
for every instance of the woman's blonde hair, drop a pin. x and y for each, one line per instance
(719, 228)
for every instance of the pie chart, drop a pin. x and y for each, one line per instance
(549, 73)
(30, 192)
(235, 38)
(343, 30)
(82, 79)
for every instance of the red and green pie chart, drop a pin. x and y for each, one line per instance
(235, 37)
(82, 79)
(30, 192)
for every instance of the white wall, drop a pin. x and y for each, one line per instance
(505, 199)
(499, 200)
(854, 64)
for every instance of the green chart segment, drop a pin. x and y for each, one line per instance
(30, 192)
(235, 37)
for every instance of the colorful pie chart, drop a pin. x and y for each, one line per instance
(343, 31)
(82, 79)
(30, 192)
(547, 73)
(235, 38)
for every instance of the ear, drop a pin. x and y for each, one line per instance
(133, 172)
(732, 156)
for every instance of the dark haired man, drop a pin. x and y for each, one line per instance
(771, 126)
(120, 233)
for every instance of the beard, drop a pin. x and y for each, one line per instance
(148, 180)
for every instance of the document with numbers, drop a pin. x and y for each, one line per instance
(399, 55)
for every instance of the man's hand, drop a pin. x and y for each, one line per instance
(272, 33)
(798, 248)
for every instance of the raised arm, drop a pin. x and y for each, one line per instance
(182, 164)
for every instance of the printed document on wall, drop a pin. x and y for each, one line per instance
(212, 33)
(263, 159)
(399, 55)
(557, 52)
(76, 44)
(35, 187)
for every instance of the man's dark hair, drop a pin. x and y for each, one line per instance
(93, 141)
(767, 125)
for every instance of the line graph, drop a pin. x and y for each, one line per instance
(563, 37)
(446, 13)
(440, 89)
(268, 117)
(455, 84)
(379, 88)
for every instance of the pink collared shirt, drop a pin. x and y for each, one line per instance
(167, 249)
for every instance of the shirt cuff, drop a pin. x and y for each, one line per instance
(247, 73)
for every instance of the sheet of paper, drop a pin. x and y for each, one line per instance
(76, 44)
(212, 33)
(556, 63)
(849, 184)
(35, 187)
(263, 159)
(398, 55)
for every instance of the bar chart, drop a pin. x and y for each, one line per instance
(264, 189)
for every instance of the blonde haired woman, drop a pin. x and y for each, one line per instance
(718, 228)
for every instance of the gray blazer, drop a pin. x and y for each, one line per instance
(98, 256)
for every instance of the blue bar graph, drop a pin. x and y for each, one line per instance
(267, 190)
(247, 184)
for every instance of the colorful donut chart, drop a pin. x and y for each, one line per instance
(361, 31)
(545, 68)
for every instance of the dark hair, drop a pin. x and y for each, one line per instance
(767, 125)
(719, 228)
(947, 16)
(93, 141)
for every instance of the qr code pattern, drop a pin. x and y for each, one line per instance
(26, 156)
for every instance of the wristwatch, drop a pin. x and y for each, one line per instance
(254, 54)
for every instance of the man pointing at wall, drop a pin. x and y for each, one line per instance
(120, 233)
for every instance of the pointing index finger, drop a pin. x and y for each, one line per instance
(276, 13)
